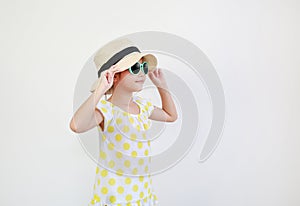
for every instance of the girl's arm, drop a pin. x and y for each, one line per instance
(168, 111)
(88, 116)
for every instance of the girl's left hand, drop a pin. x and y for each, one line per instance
(158, 78)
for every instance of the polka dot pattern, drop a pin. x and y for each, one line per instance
(124, 175)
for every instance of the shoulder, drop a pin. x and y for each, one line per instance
(146, 103)
(143, 100)
(105, 107)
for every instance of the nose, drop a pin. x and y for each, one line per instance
(141, 73)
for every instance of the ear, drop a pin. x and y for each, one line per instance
(116, 77)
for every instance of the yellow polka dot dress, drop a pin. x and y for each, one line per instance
(123, 174)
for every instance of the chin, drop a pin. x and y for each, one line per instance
(139, 89)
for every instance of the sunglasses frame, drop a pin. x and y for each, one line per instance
(141, 68)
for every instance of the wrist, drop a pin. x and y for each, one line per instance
(99, 92)
(163, 86)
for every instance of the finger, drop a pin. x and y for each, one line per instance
(113, 73)
(115, 67)
(109, 71)
(105, 76)
(102, 74)
(111, 76)
(108, 78)
(115, 70)
(112, 68)
(153, 72)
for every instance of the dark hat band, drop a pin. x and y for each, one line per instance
(115, 58)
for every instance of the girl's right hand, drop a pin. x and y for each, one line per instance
(106, 79)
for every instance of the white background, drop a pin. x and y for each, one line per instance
(254, 48)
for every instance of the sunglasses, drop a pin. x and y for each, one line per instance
(135, 69)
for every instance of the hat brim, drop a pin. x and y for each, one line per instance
(129, 60)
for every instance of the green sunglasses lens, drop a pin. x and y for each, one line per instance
(145, 67)
(135, 69)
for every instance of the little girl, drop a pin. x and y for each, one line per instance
(123, 175)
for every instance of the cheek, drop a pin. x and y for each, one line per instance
(126, 77)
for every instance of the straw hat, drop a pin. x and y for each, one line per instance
(122, 52)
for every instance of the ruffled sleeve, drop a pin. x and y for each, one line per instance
(147, 104)
(149, 107)
(106, 109)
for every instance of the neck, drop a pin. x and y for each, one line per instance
(121, 97)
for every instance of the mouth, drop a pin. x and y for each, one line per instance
(141, 81)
